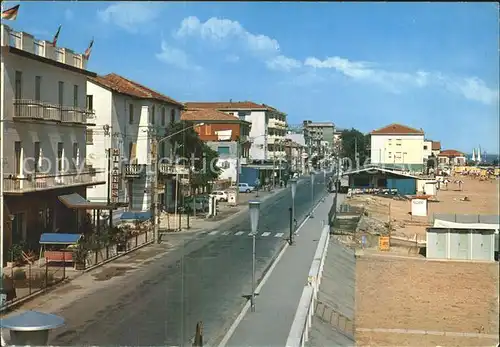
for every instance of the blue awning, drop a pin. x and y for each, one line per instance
(140, 216)
(59, 239)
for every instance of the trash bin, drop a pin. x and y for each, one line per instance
(231, 197)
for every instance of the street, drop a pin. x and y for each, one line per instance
(205, 280)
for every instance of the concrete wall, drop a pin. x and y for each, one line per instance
(397, 149)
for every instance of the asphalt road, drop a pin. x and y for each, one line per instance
(204, 280)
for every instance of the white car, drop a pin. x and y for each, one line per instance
(219, 195)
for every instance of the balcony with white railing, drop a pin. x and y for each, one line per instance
(36, 111)
(172, 170)
(14, 184)
(134, 170)
(42, 48)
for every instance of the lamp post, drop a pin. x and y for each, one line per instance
(254, 209)
(312, 195)
(293, 184)
(154, 169)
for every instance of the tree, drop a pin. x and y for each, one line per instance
(352, 139)
(431, 163)
(188, 146)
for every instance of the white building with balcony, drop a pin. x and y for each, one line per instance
(268, 126)
(128, 118)
(44, 117)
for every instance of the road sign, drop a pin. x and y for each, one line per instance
(384, 243)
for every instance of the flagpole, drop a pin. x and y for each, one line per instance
(2, 133)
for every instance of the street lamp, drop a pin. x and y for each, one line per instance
(154, 169)
(254, 209)
(293, 184)
(312, 195)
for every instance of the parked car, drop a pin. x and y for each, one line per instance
(200, 202)
(219, 195)
(245, 188)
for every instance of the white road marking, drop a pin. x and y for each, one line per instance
(265, 234)
(214, 232)
(226, 233)
(239, 233)
(279, 235)
(252, 234)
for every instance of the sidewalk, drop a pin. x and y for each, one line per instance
(277, 302)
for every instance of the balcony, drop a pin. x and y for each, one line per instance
(43, 182)
(172, 170)
(134, 170)
(276, 123)
(39, 111)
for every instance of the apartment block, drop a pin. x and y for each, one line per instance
(129, 117)
(45, 118)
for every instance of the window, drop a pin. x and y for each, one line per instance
(61, 92)
(163, 149)
(36, 156)
(223, 150)
(130, 114)
(89, 137)
(172, 117)
(17, 158)
(163, 116)
(76, 155)
(90, 102)
(425, 147)
(152, 120)
(208, 129)
(75, 96)
(38, 88)
(60, 154)
(19, 85)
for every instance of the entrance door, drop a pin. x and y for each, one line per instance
(463, 246)
(19, 228)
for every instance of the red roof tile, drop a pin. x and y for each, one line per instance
(436, 145)
(397, 129)
(236, 105)
(123, 85)
(450, 153)
(207, 114)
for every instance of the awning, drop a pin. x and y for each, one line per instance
(59, 239)
(77, 201)
(140, 216)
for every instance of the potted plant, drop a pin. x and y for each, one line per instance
(80, 256)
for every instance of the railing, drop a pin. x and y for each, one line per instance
(299, 333)
(169, 169)
(42, 182)
(43, 111)
(134, 169)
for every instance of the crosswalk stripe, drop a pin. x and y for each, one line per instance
(239, 233)
(266, 234)
(226, 233)
(252, 234)
(279, 235)
(214, 232)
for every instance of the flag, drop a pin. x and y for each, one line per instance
(11, 13)
(56, 36)
(89, 50)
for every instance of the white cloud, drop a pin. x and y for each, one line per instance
(68, 14)
(217, 30)
(283, 63)
(129, 15)
(471, 88)
(232, 58)
(176, 57)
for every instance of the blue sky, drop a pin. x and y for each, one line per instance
(363, 65)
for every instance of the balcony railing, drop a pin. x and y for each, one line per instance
(42, 182)
(33, 110)
(134, 170)
(169, 169)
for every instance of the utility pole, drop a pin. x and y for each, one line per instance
(154, 188)
(110, 158)
(238, 155)
(280, 147)
(189, 179)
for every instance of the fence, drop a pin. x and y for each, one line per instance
(103, 254)
(465, 218)
(299, 333)
(27, 280)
